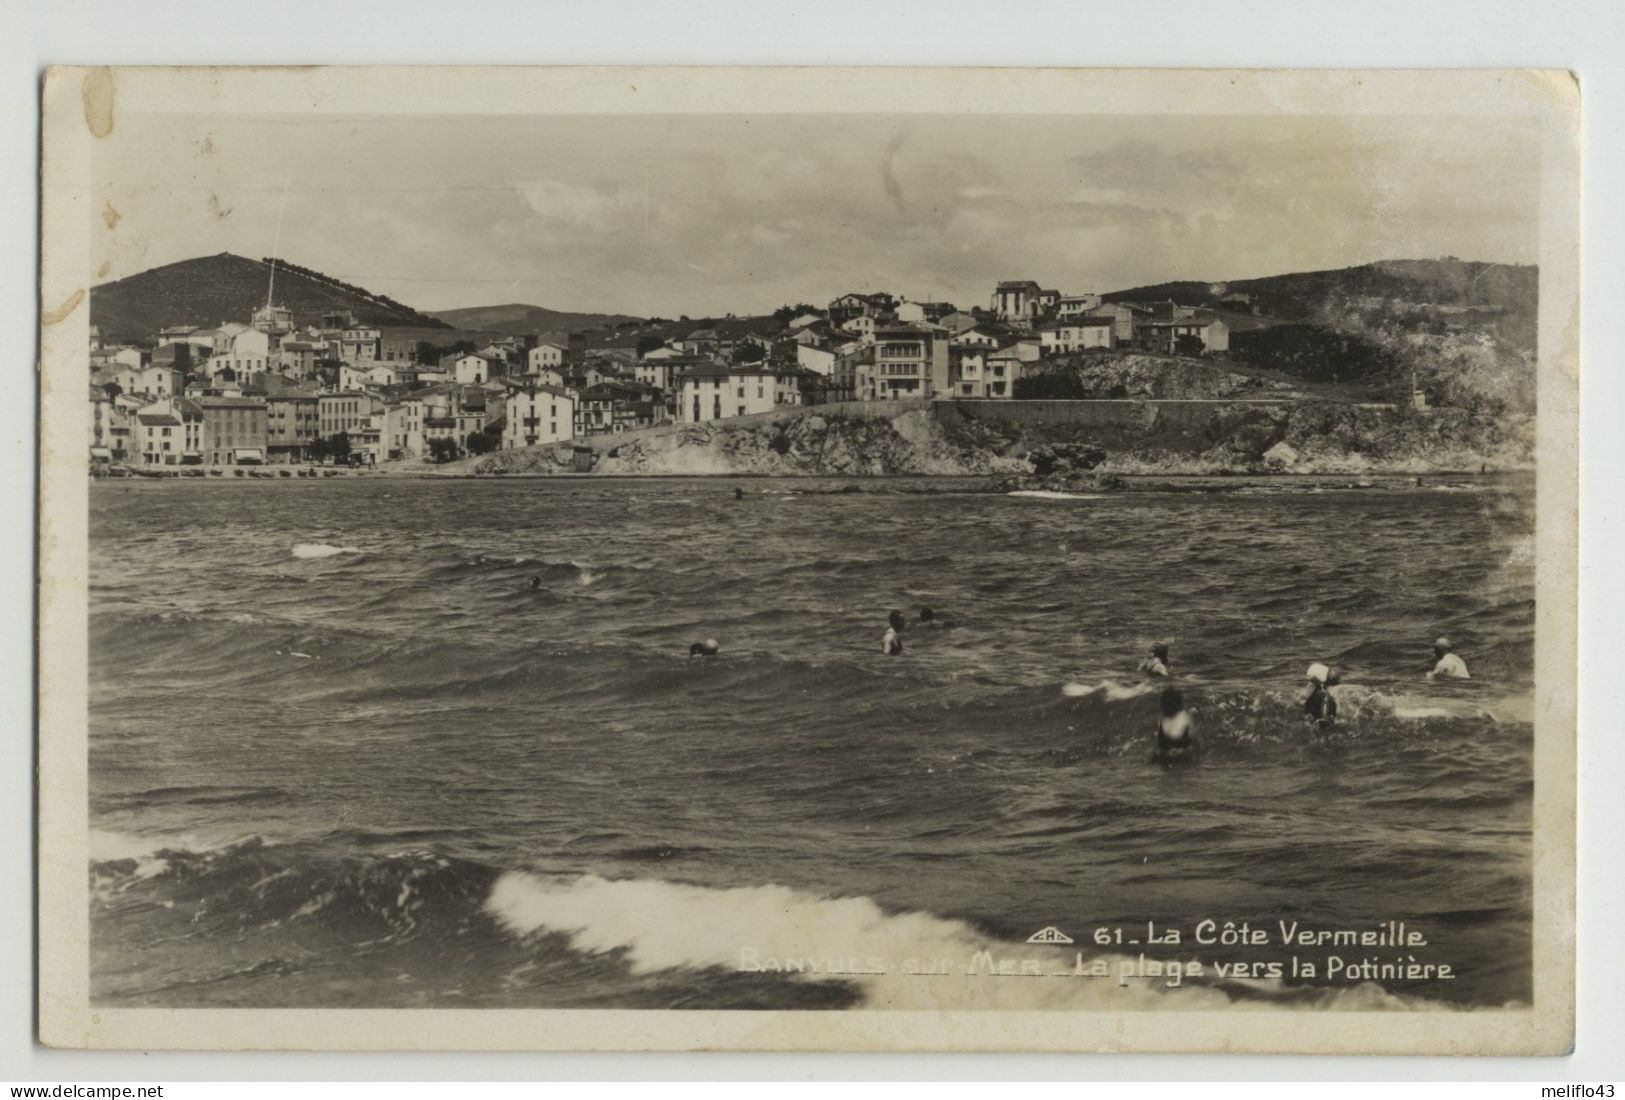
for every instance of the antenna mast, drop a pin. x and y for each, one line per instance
(276, 243)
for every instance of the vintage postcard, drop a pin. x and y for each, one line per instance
(808, 559)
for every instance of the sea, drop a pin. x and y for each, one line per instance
(398, 742)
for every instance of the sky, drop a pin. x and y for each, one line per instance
(713, 214)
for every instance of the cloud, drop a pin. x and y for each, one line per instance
(588, 207)
(697, 214)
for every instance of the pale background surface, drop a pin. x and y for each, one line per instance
(1584, 37)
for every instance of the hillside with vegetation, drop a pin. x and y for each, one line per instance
(208, 291)
(1461, 332)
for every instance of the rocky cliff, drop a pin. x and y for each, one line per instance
(1011, 438)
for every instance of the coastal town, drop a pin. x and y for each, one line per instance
(274, 388)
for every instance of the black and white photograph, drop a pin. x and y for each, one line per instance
(861, 560)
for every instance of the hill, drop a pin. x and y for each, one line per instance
(1464, 332)
(517, 319)
(1447, 284)
(210, 290)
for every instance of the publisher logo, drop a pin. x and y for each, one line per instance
(1049, 934)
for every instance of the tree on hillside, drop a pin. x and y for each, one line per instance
(442, 449)
(790, 313)
(484, 441)
(1190, 346)
(339, 448)
(1051, 386)
(646, 344)
(1316, 354)
(749, 353)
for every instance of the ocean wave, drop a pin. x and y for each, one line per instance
(901, 960)
(1110, 690)
(309, 550)
(308, 900)
(1052, 494)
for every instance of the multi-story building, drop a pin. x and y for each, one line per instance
(192, 429)
(176, 356)
(616, 407)
(346, 411)
(476, 367)
(1017, 300)
(250, 352)
(221, 338)
(547, 354)
(850, 363)
(109, 426)
(740, 389)
(234, 429)
(406, 428)
(299, 357)
(293, 422)
(1003, 370)
(1186, 336)
(358, 343)
(160, 435)
(159, 382)
(537, 415)
(276, 321)
(1125, 321)
(910, 361)
(967, 375)
(1059, 337)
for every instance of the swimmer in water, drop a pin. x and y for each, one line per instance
(1321, 705)
(1446, 663)
(1156, 664)
(535, 582)
(739, 494)
(927, 615)
(892, 644)
(707, 648)
(1176, 734)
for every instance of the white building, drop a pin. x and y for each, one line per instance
(1017, 300)
(1003, 371)
(1076, 305)
(251, 351)
(818, 360)
(538, 415)
(473, 369)
(358, 343)
(974, 338)
(720, 392)
(1060, 337)
(544, 356)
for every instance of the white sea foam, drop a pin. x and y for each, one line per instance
(107, 846)
(1052, 494)
(1111, 690)
(321, 550)
(899, 960)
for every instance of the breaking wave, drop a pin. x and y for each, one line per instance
(321, 550)
(523, 929)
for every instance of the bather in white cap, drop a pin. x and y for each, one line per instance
(1318, 672)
